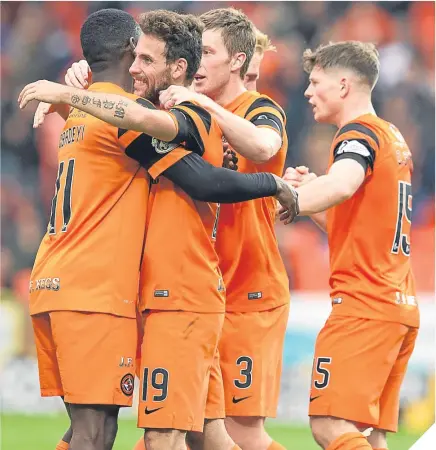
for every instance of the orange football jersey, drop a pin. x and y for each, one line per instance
(180, 265)
(252, 267)
(369, 234)
(90, 257)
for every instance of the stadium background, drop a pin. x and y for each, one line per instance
(41, 39)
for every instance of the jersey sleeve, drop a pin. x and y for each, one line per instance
(357, 141)
(263, 112)
(194, 126)
(148, 151)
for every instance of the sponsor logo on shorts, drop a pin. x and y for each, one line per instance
(313, 398)
(161, 293)
(254, 295)
(49, 284)
(127, 384)
(151, 411)
(337, 301)
(237, 400)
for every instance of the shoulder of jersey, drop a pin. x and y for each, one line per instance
(258, 100)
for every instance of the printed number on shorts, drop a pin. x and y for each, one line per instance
(404, 219)
(66, 206)
(320, 368)
(158, 380)
(246, 364)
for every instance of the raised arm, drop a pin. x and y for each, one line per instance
(111, 108)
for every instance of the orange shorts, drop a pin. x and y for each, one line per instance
(177, 355)
(358, 369)
(251, 354)
(215, 404)
(89, 358)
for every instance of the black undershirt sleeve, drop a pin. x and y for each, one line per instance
(207, 183)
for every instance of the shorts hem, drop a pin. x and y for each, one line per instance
(172, 426)
(51, 393)
(77, 400)
(269, 414)
(331, 412)
(213, 416)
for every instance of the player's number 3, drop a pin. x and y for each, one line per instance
(66, 206)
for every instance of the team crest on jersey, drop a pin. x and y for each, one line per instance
(162, 147)
(127, 384)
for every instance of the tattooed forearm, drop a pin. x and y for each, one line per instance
(108, 105)
(120, 112)
(86, 99)
(123, 112)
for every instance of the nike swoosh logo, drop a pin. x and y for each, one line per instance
(314, 398)
(237, 400)
(151, 411)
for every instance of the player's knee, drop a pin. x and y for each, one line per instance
(377, 439)
(195, 440)
(157, 439)
(326, 429)
(248, 432)
(110, 432)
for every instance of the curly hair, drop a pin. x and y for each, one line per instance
(181, 33)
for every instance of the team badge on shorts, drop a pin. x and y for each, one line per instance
(127, 384)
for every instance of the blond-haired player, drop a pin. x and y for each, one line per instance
(263, 45)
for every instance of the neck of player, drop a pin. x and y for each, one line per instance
(233, 89)
(354, 107)
(116, 76)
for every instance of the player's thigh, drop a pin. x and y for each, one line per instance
(251, 353)
(390, 398)
(96, 354)
(352, 362)
(178, 351)
(49, 376)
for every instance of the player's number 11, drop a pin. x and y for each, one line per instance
(66, 206)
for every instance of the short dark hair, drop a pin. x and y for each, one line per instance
(237, 31)
(182, 34)
(361, 57)
(105, 37)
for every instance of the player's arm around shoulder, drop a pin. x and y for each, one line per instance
(257, 143)
(114, 109)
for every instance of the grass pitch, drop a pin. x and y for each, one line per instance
(42, 432)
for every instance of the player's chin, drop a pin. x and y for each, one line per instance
(200, 85)
(319, 117)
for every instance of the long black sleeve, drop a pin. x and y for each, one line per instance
(207, 183)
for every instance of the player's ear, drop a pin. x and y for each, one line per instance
(179, 68)
(238, 61)
(344, 87)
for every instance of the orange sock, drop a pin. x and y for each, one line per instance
(62, 445)
(350, 441)
(236, 447)
(140, 445)
(276, 446)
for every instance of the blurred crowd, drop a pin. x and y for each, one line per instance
(40, 40)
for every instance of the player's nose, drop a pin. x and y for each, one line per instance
(307, 93)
